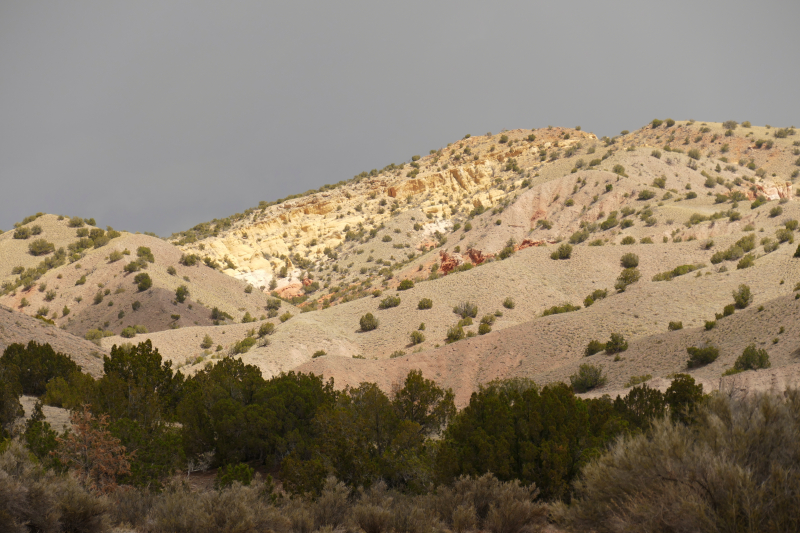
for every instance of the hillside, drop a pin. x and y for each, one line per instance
(476, 221)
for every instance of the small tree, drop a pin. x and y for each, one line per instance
(93, 453)
(683, 397)
(368, 322)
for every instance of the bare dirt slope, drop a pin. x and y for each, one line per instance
(19, 328)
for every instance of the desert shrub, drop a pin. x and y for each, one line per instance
(267, 328)
(508, 303)
(455, 333)
(588, 377)
(742, 297)
(627, 277)
(677, 271)
(406, 284)
(128, 332)
(752, 359)
(181, 293)
(368, 322)
(23, 232)
(628, 240)
(594, 347)
(701, 356)
(656, 154)
(207, 342)
(484, 328)
(218, 314)
(629, 260)
(726, 448)
(558, 309)
(597, 294)
(675, 326)
(242, 346)
(564, 251)
(143, 281)
(389, 302)
(645, 194)
(132, 267)
(797, 252)
(694, 153)
(784, 235)
(746, 262)
(41, 247)
(466, 310)
(417, 337)
(579, 236)
(616, 344)
(144, 252)
(240, 473)
(286, 316)
(136, 305)
(620, 170)
(247, 318)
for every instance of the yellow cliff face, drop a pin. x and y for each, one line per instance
(469, 172)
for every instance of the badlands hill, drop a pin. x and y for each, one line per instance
(476, 221)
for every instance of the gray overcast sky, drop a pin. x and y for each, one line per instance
(155, 116)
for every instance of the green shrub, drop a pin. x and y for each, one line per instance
(564, 251)
(136, 305)
(776, 211)
(645, 194)
(508, 303)
(694, 153)
(483, 329)
(75, 222)
(368, 322)
(656, 123)
(181, 293)
(629, 260)
(656, 154)
(425, 303)
(784, 235)
(627, 277)
(588, 377)
(466, 310)
(267, 328)
(677, 271)
(558, 309)
(406, 284)
(597, 294)
(417, 337)
(620, 170)
(675, 326)
(594, 347)
(217, 314)
(616, 344)
(746, 262)
(144, 252)
(752, 359)
(455, 333)
(22, 232)
(627, 240)
(701, 356)
(389, 301)
(318, 353)
(41, 247)
(240, 473)
(143, 281)
(128, 332)
(742, 297)
(207, 342)
(579, 236)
